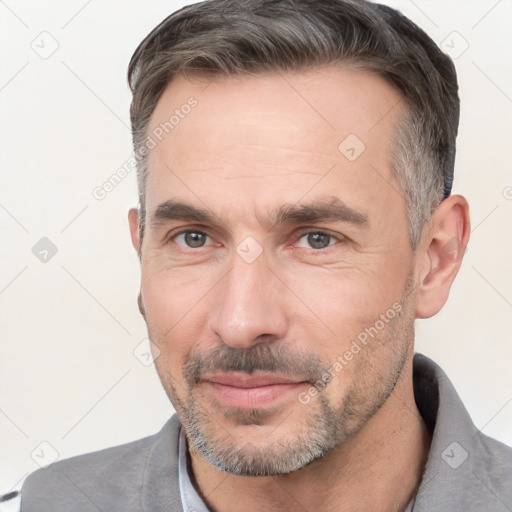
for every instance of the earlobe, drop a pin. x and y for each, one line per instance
(443, 249)
(133, 220)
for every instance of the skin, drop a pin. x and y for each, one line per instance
(252, 147)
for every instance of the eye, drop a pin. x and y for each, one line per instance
(192, 239)
(316, 240)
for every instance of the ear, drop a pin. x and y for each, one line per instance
(441, 251)
(133, 220)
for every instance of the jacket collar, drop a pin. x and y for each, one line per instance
(456, 475)
(160, 488)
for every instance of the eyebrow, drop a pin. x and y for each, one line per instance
(175, 210)
(326, 210)
(331, 209)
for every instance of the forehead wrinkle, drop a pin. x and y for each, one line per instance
(219, 171)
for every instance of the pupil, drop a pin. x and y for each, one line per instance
(195, 239)
(318, 240)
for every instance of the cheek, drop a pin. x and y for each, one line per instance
(348, 331)
(171, 294)
(346, 301)
(178, 304)
(176, 313)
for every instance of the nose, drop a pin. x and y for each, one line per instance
(251, 305)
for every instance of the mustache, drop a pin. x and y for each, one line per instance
(264, 357)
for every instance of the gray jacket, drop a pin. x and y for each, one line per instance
(466, 470)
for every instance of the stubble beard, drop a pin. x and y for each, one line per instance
(311, 430)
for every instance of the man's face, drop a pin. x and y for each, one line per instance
(274, 258)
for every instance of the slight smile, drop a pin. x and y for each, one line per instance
(250, 391)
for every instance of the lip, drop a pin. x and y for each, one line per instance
(250, 391)
(241, 380)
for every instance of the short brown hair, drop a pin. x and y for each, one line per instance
(229, 37)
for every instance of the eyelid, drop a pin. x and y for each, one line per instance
(174, 233)
(337, 237)
(300, 233)
(312, 231)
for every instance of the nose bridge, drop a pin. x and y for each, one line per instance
(249, 305)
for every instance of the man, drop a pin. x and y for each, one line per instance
(295, 169)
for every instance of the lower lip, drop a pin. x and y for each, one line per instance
(250, 398)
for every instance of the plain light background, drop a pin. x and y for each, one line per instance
(73, 374)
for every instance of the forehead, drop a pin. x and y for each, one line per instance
(275, 137)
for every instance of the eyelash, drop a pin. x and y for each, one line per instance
(302, 234)
(173, 237)
(297, 238)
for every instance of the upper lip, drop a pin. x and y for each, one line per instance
(239, 380)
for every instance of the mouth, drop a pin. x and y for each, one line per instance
(250, 391)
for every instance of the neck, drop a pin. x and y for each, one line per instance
(379, 468)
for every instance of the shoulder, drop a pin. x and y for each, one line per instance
(105, 480)
(466, 470)
(493, 463)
